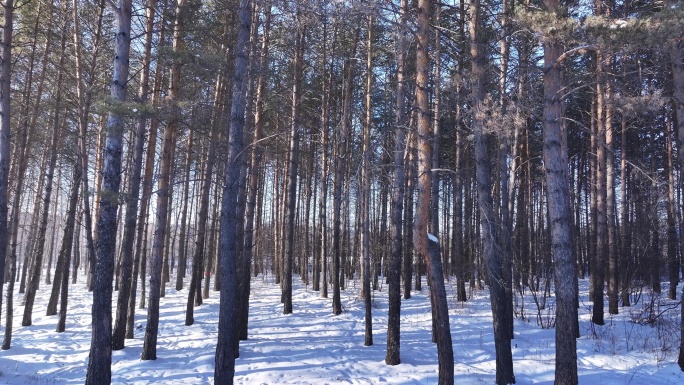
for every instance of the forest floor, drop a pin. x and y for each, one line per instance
(312, 346)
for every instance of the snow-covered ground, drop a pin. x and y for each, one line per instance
(312, 346)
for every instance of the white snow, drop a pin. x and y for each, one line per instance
(312, 346)
(433, 238)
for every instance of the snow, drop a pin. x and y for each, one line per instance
(312, 346)
(433, 238)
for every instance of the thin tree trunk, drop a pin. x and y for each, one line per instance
(42, 227)
(30, 128)
(256, 155)
(29, 254)
(76, 261)
(164, 194)
(24, 149)
(64, 257)
(53, 230)
(325, 168)
(200, 235)
(130, 221)
(366, 192)
(488, 228)
(140, 259)
(436, 131)
(672, 249)
(625, 244)
(293, 163)
(5, 91)
(601, 222)
(506, 172)
(340, 167)
(85, 94)
(185, 201)
(410, 170)
(677, 58)
(60, 285)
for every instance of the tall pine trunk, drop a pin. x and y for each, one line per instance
(677, 57)
(293, 163)
(38, 251)
(227, 346)
(428, 250)
(99, 366)
(393, 356)
(558, 200)
(60, 284)
(130, 221)
(366, 192)
(488, 228)
(164, 193)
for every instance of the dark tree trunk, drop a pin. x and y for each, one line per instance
(293, 163)
(366, 192)
(182, 255)
(130, 221)
(64, 257)
(226, 349)
(428, 250)
(164, 193)
(393, 356)
(5, 91)
(339, 177)
(601, 218)
(677, 57)
(85, 95)
(202, 216)
(488, 228)
(558, 185)
(99, 366)
(61, 281)
(256, 157)
(673, 264)
(38, 251)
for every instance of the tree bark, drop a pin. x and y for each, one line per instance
(37, 266)
(601, 219)
(5, 94)
(164, 193)
(60, 284)
(99, 366)
(429, 250)
(558, 200)
(677, 58)
(227, 346)
(393, 356)
(64, 257)
(488, 228)
(293, 164)
(325, 168)
(202, 215)
(130, 221)
(339, 177)
(366, 192)
(182, 256)
(85, 95)
(140, 258)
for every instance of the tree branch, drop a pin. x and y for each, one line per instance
(113, 5)
(570, 52)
